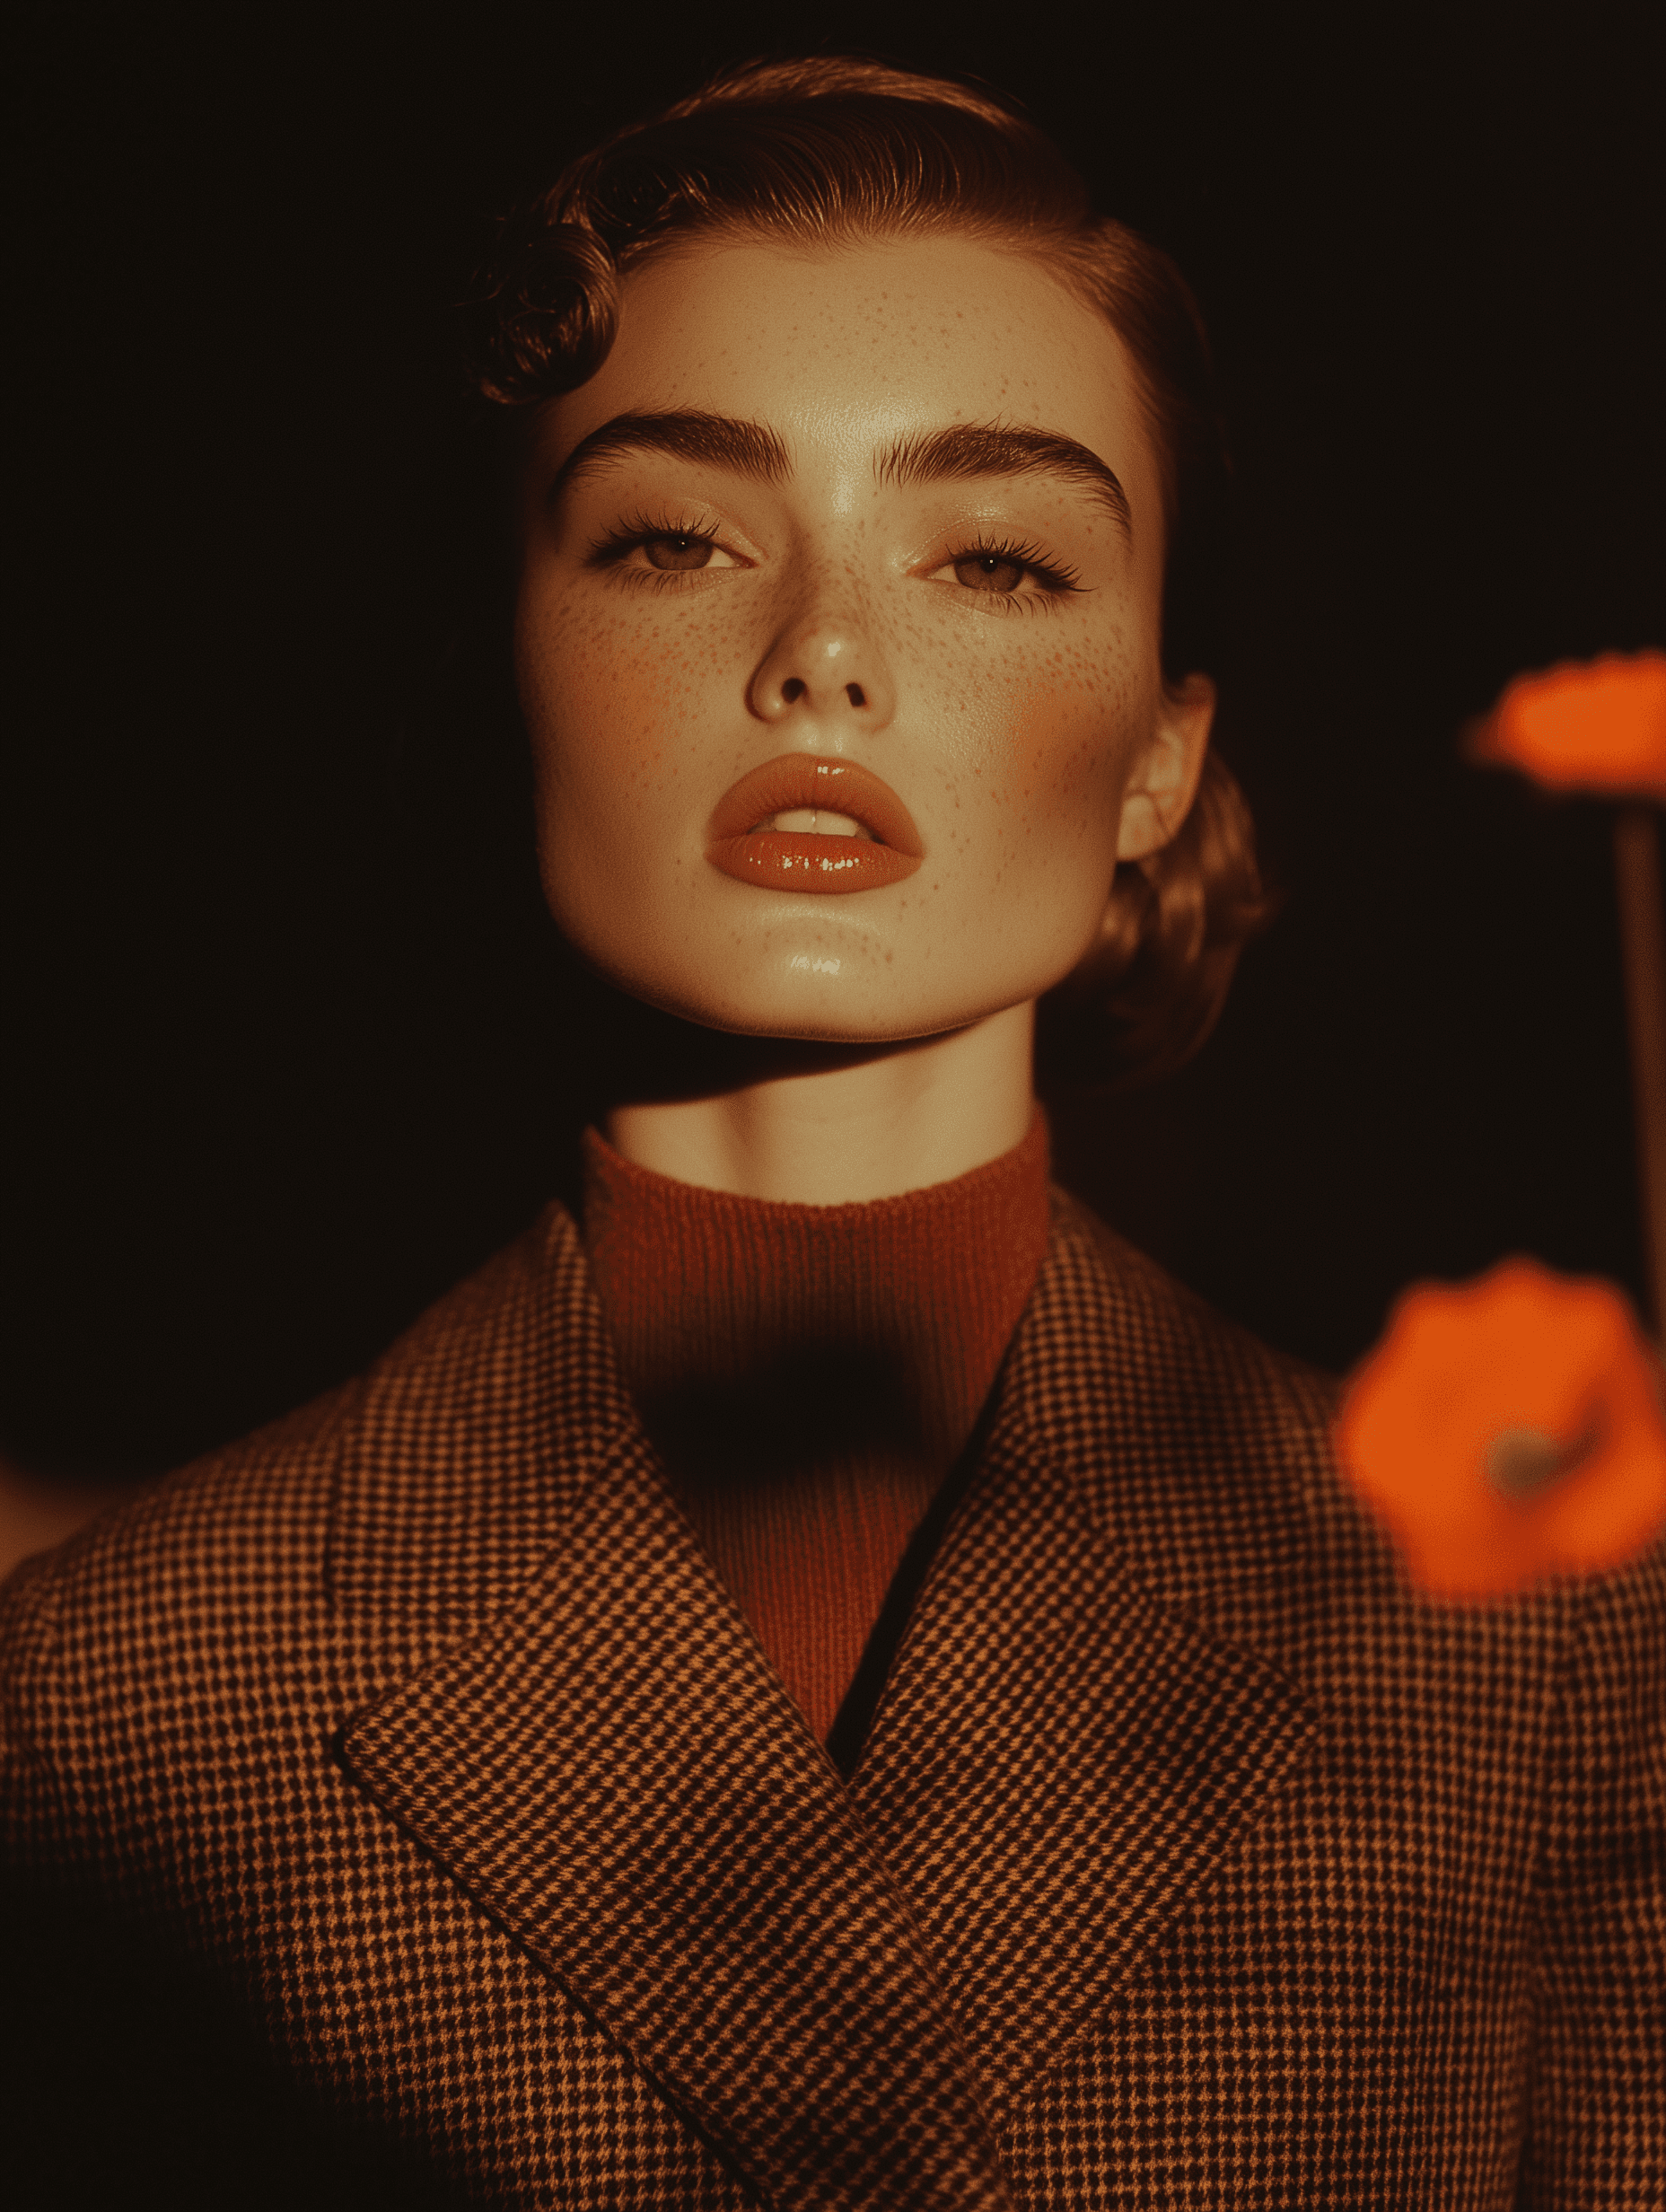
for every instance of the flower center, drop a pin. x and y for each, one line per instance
(1523, 1462)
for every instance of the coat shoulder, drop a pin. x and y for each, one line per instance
(1181, 1317)
(1212, 1408)
(1207, 1454)
(244, 1530)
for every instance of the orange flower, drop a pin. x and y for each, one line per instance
(1585, 725)
(1509, 1428)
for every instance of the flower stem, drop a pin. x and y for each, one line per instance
(1642, 938)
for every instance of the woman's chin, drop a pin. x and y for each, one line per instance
(829, 999)
(812, 1016)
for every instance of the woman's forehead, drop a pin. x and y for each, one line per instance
(849, 347)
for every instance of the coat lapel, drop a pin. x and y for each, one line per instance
(614, 1772)
(1066, 1750)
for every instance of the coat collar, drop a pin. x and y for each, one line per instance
(582, 1729)
(1067, 1748)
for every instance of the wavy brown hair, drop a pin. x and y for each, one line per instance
(833, 148)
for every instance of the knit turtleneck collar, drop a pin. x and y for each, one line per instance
(810, 1373)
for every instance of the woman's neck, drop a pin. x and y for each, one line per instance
(838, 1126)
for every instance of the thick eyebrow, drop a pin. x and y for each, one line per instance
(750, 449)
(746, 449)
(994, 449)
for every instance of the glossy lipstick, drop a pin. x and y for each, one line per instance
(885, 848)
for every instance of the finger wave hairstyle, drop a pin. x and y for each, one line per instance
(828, 149)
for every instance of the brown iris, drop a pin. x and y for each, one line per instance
(680, 551)
(989, 572)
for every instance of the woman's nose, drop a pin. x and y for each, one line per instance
(827, 668)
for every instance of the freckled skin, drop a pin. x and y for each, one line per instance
(1026, 731)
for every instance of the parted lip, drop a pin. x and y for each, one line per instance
(796, 780)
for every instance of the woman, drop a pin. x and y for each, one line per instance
(833, 1681)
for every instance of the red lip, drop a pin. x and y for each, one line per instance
(804, 860)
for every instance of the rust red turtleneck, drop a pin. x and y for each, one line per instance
(809, 1374)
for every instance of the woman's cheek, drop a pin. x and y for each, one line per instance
(1065, 757)
(616, 708)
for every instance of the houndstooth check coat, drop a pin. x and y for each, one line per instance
(413, 1753)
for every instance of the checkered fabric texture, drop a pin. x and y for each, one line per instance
(1193, 1861)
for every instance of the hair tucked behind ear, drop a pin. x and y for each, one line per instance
(1152, 986)
(838, 147)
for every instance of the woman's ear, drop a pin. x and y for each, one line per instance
(1164, 780)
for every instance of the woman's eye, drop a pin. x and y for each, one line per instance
(990, 572)
(1020, 573)
(642, 548)
(679, 549)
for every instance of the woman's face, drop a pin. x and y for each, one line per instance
(838, 638)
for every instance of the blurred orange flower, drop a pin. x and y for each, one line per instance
(1509, 1428)
(1586, 725)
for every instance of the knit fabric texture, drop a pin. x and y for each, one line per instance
(810, 1375)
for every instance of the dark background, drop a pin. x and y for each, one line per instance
(282, 1056)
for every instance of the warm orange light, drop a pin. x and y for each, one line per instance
(1587, 725)
(1509, 1428)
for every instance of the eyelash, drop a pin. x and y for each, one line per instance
(609, 550)
(1057, 580)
